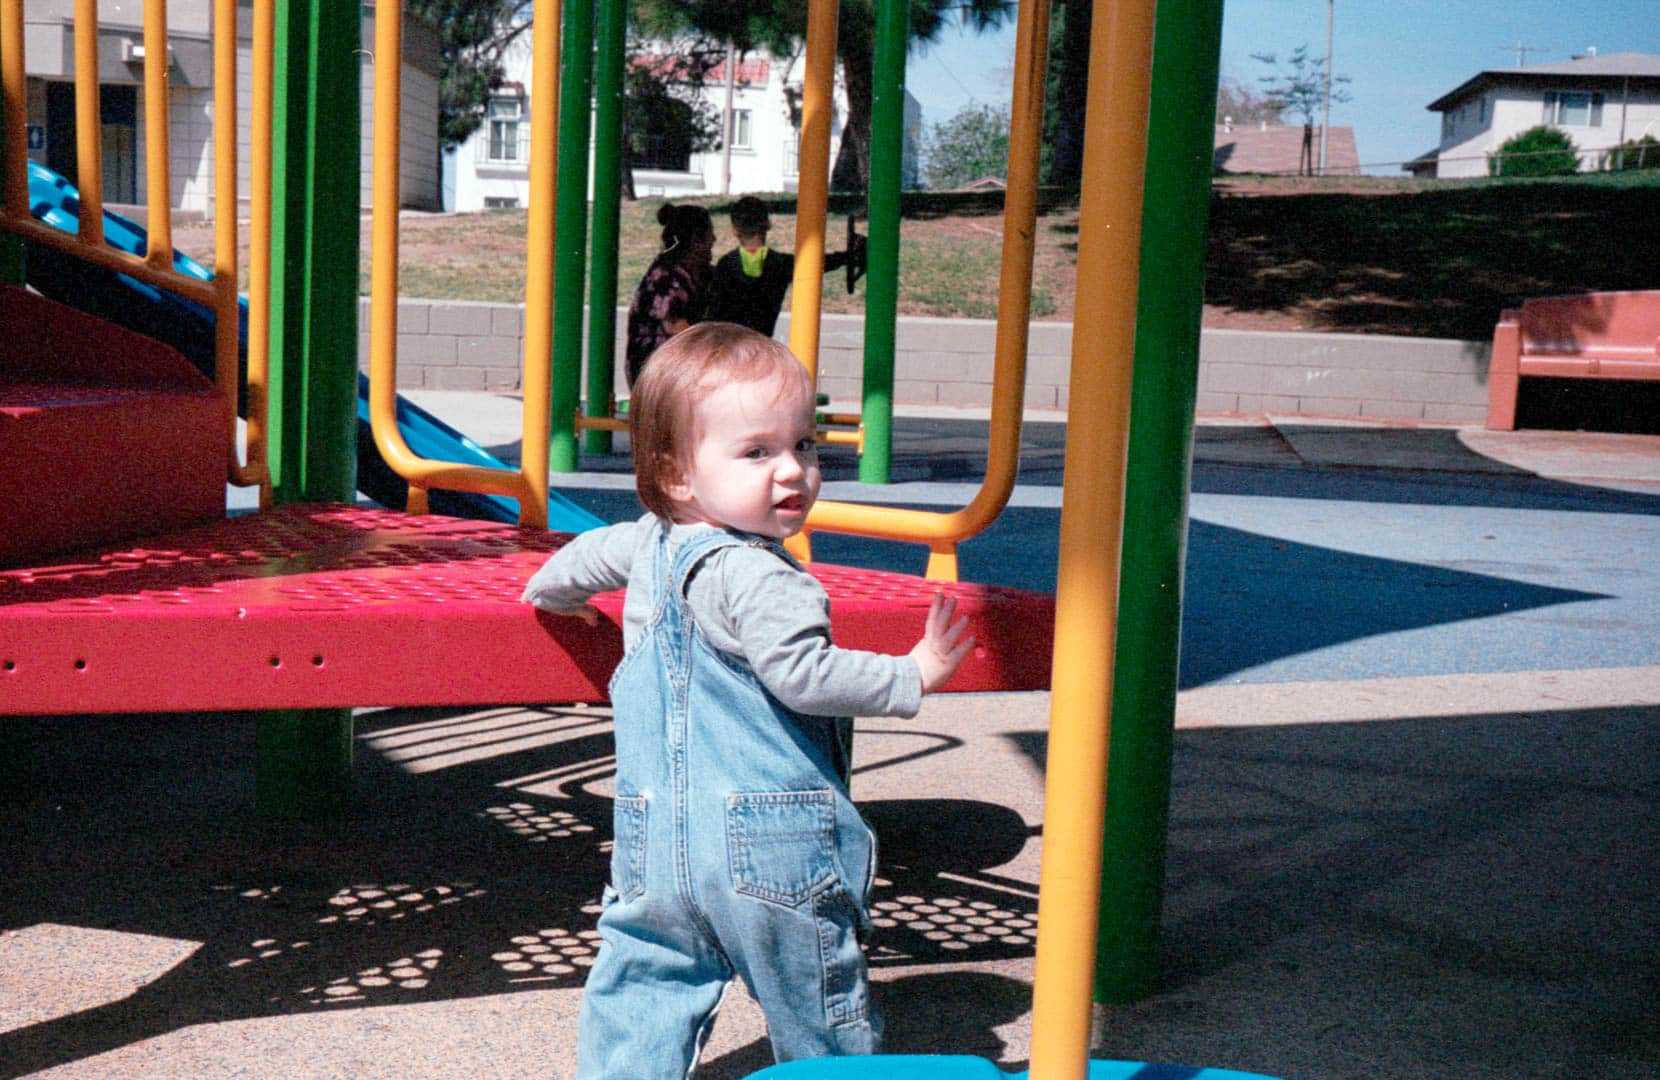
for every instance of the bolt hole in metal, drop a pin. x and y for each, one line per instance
(276, 661)
(80, 664)
(317, 661)
(10, 665)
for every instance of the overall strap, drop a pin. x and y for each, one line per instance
(690, 555)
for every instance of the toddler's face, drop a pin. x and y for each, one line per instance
(754, 464)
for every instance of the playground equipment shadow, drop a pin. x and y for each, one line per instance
(1447, 893)
(1377, 866)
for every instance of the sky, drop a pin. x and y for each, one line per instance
(1400, 55)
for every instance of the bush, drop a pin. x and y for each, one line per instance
(1539, 151)
(1643, 153)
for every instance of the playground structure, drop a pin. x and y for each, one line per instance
(314, 606)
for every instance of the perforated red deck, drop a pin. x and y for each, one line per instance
(335, 606)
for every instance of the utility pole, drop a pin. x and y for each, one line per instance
(729, 125)
(1325, 117)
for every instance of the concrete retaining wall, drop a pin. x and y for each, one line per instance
(455, 345)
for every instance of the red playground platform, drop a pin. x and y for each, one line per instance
(320, 606)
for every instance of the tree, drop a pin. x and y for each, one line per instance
(1301, 88)
(665, 116)
(781, 26)
(472, 35)
(972, 144)
(1067, 93)
(1538, 151)
(1239, 104)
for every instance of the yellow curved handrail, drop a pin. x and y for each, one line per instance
(943, 531)
(155, 267)
(529, 484)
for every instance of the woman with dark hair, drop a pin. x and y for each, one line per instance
(674, 293)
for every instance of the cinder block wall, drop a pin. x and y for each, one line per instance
(457, 345)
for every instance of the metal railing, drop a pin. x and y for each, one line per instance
(156, 266)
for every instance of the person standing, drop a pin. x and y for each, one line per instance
(750, 280)
(674, 292)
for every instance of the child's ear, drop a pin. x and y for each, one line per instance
(674, 482)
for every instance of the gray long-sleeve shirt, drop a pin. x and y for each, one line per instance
(750, 604)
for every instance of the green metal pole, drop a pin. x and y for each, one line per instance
(304, 756)
(610, 44)
(570, 225)
(1180, 144)
(887, 140)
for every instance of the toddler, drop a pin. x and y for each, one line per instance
(737, 848)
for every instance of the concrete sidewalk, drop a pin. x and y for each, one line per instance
(1414, 814)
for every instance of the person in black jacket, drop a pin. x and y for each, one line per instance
(750, 280)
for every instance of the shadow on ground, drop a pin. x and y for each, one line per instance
(1467, 896)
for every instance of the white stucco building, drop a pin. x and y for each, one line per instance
(49, 53)
(1599, 101)
(492, 169)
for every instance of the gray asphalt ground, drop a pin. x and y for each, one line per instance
(1414, 811)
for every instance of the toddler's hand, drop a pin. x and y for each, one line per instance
(943, 645)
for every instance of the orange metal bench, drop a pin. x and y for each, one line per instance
(1602, 335)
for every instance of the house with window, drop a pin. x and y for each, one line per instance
(759, 153)
(49, 90)
(1598, 101)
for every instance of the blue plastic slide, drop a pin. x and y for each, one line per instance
(188, 327)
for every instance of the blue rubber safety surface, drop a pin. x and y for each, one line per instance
(968, 1068)
(1302, 574)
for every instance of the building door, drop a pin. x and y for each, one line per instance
(118, 108)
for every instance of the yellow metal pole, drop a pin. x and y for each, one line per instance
(227, 317)
(16, 110)
(89, 143)
(423, 473)
(1103, 345)
(541, 229)
(158, 173)
(813, 198)
(259, 248)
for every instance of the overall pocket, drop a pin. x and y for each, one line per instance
(628, 847)
(781, 846)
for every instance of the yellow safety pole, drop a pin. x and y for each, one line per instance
(226, 316)
(158, 172)
(813, 197)
(89, 142)
(1092, 509)
(16, 118)
(943, 531)
(259, 250)
(423, 473)
(541, 229)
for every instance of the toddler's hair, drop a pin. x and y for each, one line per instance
(749, 216)
(679, 375)
(683, 223)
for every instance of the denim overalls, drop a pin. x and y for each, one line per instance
(737, 851)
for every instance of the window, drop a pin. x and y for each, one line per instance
(741, 134)
(505, 116)
(1573, 108)
(500, 202)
